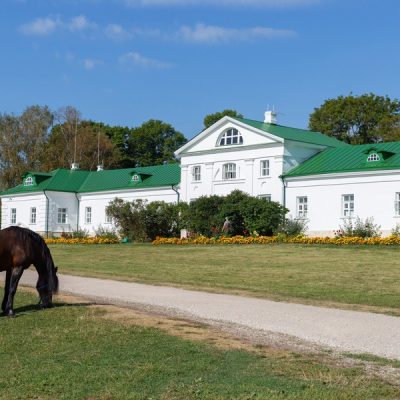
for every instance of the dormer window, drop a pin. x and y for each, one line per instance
(231, 136)
(135, 178)
(28, 181)
(373, 157)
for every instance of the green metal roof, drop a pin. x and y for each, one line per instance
(350, 159)
(298, 135)
(76, 181)
(155, 176)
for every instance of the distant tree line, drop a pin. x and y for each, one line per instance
(42, 139)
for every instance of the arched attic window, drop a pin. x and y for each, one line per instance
(373, 157)
(229, 137)
(28, 181)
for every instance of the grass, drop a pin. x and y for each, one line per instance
(73, 352)
(362, 276)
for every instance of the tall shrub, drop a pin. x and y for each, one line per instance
(204, 215)
(127, 218)
(261, 216)
(231, 208)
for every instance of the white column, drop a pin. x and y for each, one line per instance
(249, 176)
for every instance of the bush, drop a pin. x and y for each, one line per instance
(291, 227)
(140, 221)
(359, 228)
(204, 215)
(396, 230)
(105, 233)
(230, 207)
(127, 218)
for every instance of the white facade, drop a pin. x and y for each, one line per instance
(372, 194)
(250, 158)
(231, 155)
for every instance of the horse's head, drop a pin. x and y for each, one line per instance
(47, 285)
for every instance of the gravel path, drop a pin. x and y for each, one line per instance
(357, 332)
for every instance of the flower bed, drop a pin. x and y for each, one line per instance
(339, 241)
(88, 240)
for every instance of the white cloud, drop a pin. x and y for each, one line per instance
(80, 23)
(48, 25)
(89, 63)
(136, 59)
(215, 34)
(40, 26)
(230, 3)
(117, 32)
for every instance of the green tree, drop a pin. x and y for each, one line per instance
(75, 140)
(154, 142)
(211, 119)
(22, 140)
(358, 119)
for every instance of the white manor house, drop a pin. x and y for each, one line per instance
(318, 178)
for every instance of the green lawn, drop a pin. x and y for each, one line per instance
(360, 275)
(71, 352)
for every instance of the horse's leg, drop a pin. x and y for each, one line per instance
(6, 289)
(14, 279)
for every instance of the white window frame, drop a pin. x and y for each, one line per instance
(229, 171)
(13, 216)
(302, 207)
(264, 168)
(373, 157)
(397, 204)
(230, 137)
(28, 181)
(135, 178)
(107, 218)
(32, 217)
(62, 215)
(196, 173)
(88, 215)
(266, 197)
(347, 205)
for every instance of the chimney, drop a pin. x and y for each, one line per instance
(74, 166)
(100, 167)
(270, 117)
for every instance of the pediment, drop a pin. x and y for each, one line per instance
(210, 139)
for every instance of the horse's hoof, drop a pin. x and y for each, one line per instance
(10, 314)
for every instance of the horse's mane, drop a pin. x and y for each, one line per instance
(25, 235)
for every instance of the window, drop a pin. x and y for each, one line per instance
(231, 136)
(88, 215)
(348, 205)
(266, 197)
(108, 218)
(28, 181)
(397, 203)
(33, 215)
(302, 207)
(229, 171)
(373, 157)
(62, 216)
(264, 168)
(135, 178)
(196, 173)
(13, 219)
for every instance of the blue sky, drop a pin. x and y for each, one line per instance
(123, 62)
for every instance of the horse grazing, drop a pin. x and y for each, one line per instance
(20, 248)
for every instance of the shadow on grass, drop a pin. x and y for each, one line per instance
(32, 308)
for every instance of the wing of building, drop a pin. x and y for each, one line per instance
(318, 178)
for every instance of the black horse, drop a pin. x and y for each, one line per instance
(20, 248)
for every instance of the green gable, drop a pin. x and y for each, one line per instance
(76, 181)
(351, 159)
(298, 135)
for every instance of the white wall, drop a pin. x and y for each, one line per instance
(62, 200)
(98, 201)
(374, 196)
(23, 205)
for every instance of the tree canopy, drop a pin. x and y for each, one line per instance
(358, 119)
(42, 139)
(213, 118)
